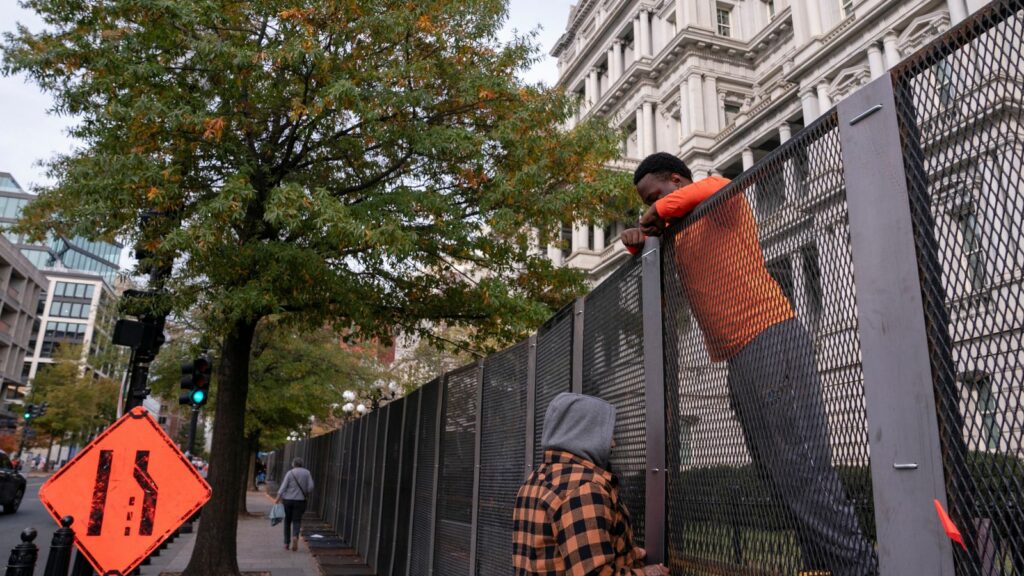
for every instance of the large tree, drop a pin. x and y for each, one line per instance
(80, 402)
(368, 164)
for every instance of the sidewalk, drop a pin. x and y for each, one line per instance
(260, 547)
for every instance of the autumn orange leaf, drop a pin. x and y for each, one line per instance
(213, 128)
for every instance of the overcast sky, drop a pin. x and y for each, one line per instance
(29, 133)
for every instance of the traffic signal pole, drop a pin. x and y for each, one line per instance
(192, 431)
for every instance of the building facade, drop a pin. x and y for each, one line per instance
(57, 252)
(77, 303)
(20, 287)
(722, 83)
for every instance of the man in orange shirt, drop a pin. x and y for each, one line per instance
(748, 322)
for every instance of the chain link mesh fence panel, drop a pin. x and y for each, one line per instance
(613, 369)
(502, 450)
(959, 107)
(455, 477)
(767, 434)
(554, 370)
(426, 451)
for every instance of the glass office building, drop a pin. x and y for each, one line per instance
(56, 252)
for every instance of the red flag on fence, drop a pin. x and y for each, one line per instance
(951, 530)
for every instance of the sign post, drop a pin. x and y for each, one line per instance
(133, 487)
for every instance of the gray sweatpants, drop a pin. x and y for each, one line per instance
(776, 393)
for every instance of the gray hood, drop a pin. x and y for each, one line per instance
(582, 425)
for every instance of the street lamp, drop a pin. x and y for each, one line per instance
(361, 409)
(348, 395)
(348, 408)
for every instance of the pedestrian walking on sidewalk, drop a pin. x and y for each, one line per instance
(293, 493)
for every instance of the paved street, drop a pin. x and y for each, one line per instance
(31, 514)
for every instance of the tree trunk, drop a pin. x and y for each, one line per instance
(49, 452)
(216, 546)
(252, 443)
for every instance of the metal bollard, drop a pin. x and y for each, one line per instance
(59, 560)
(24, 555)
(82, 566)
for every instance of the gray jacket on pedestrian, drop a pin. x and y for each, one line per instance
(297, 484)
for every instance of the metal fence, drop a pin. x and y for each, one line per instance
(803, 366)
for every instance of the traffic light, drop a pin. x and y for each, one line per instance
(195, 382)
(30, 411)
(41, 409)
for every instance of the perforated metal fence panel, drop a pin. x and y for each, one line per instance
(554, 369)
(389, 496)
(613, 370)
(767, 451)
(959, 106)
(455, 477)
(376, 495)
(502, 450)
(351, 493)
(426, 450)
(406, 487)
(366, 491)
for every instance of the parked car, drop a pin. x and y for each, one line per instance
(12, 485)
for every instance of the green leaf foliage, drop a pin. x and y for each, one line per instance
(79, 401)
(367, 164)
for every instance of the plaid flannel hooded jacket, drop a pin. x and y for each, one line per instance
(568, 518)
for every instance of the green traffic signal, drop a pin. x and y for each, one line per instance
(30, 411)
(199, 397)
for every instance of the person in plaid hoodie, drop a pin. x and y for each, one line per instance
(569, 519)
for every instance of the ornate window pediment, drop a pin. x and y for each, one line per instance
(849, 80)
(922, 30)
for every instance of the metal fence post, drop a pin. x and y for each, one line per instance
(577, 346)
(906, 460)
(59, 560)
(438, 433)
(475, 523)
(23, 557)
(531, 403)
(654, 395)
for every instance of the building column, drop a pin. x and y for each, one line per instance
(685, 120)
(636, 38)
(682, 15)
(785, 132)
(695, 99)
(809, 103)
(617, 62)
(595, 90)
(824, 100)
(579, 237)
(598, 238)
(748, 159)
(641, 140)
(957, 11)
(721, 110)
(875, 61)
(610, 55)
(645, 33)
(892, 49)
(710, 104)
(649, 140)
(588, 92)
(813, 16)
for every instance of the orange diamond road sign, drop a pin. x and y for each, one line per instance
(128, 490)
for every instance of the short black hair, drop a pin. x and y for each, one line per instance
(662, 164)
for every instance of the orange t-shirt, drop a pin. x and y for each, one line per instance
(722, 270)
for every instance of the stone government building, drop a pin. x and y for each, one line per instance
(722, 83)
